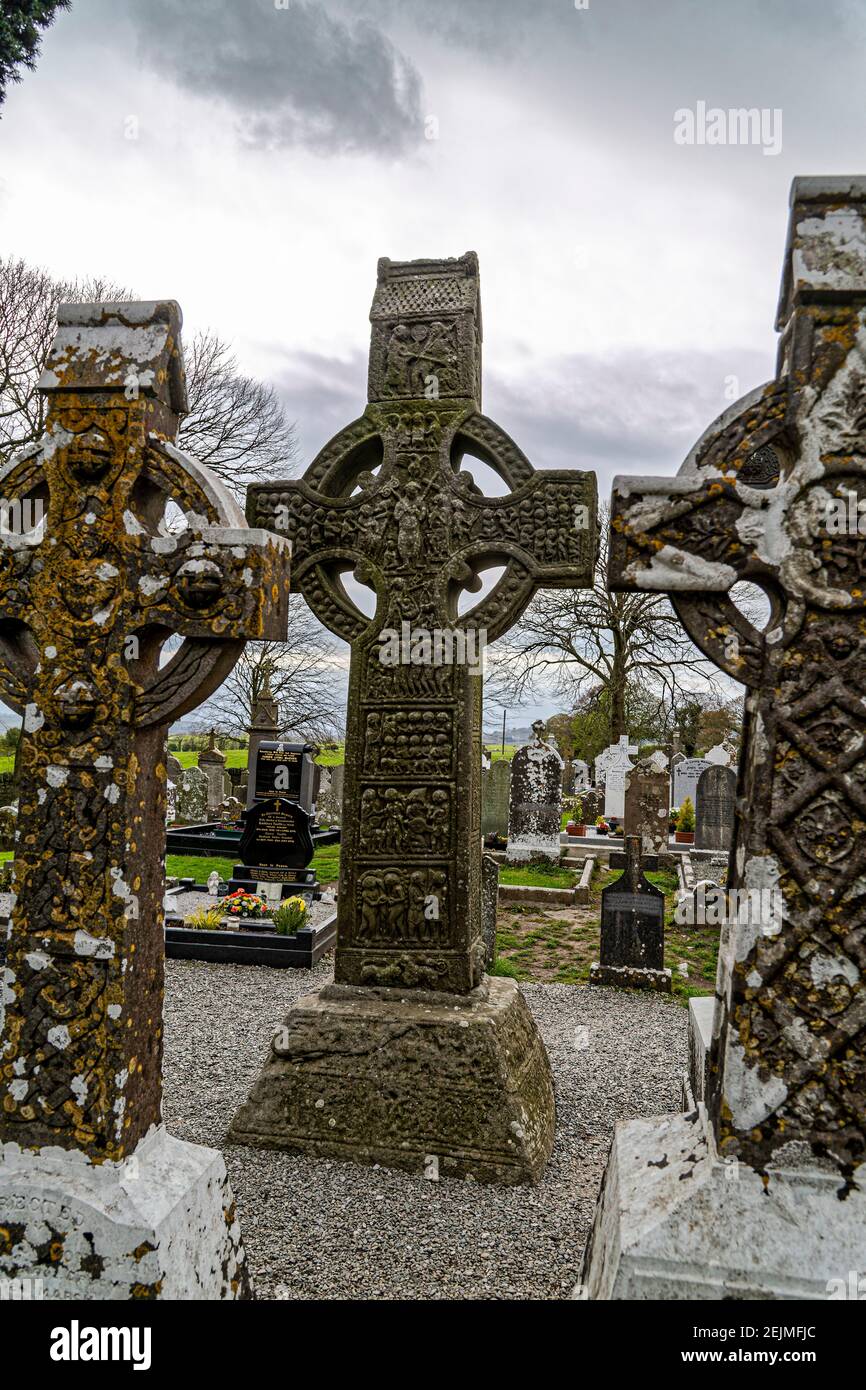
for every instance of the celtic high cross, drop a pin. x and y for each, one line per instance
(768, 495)
(136, 543)
(387, 499)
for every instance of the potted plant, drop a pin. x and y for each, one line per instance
(672, 819)
(601, 826)
(685, 832)
(290, 916)
(614, 826)
(577, 826)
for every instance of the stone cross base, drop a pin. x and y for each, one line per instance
(159, 1224)
(675, 1222)
(445, 1085)
(630, 977)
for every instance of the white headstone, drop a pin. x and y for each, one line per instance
(619, 765)
(686, 777)
(720, 755)
(581, 774)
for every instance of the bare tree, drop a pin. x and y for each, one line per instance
(570, 641)
(236, 425)
(304, 675)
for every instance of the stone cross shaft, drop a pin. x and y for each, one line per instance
(388, 500)
(136, 543)
(774, 493)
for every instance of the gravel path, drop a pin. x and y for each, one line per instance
(320, 1229)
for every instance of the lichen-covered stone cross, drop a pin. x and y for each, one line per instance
(775, 493)
(135, 544)
(387, 498)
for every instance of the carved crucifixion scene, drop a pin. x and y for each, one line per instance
(432, 680)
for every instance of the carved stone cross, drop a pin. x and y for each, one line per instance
(388, 499)
(772, 494)
(136, 543)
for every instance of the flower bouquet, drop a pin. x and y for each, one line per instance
(290, 916)
(242, 904)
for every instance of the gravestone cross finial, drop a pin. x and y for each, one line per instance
(774, 493)
(387, 499)
(136, 543)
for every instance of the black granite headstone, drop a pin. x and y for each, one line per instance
(286, 770)
(632, 929)
(276, 835)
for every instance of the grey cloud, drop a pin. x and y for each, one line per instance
(626, 412)
(295, 76)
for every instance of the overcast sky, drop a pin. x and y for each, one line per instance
(253, 160)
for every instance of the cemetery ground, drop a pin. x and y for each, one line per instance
(321, 1229)
(558, 944)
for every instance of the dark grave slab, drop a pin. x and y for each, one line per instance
(276, 847)
(284, 770)
(632, 929)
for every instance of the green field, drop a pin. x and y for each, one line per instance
(326, 862)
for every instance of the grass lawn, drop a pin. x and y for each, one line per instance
(559, 944)
(538, 876)
(326, 862)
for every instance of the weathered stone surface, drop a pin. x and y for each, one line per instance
(191, 797)
(86, 600)
(400, 1078)
(418, 530)
(161, 1223)
(535, 805)
(212, 761)
(617, 766)
(647, 807)
(495, 798)
(714, 821)
(329, 802)
(765, 495)
(264, 727)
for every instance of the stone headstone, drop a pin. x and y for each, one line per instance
(687, 774)
(329, 806)
(714, 816)
(191, 798)
(632, 954)
(170, 803)
(173, 768)
(659, 760)
(126, 1210)
(419, 526)
(592, 804)
(535, 805)
(618, 765)
(720, 755)
(647, 807)
(283, 769)
(581, 774)
(495, 798)
(759, 1195)
(8, 826)
(276, 835)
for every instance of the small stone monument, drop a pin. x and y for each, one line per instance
(632, 930)
(97, 1200)
(581, 774)
(495, 798)
(758, 1194)
(535, 810)
(714, 817)
(264, 727)
(647, 807)
(212, 762)
(411, 998)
